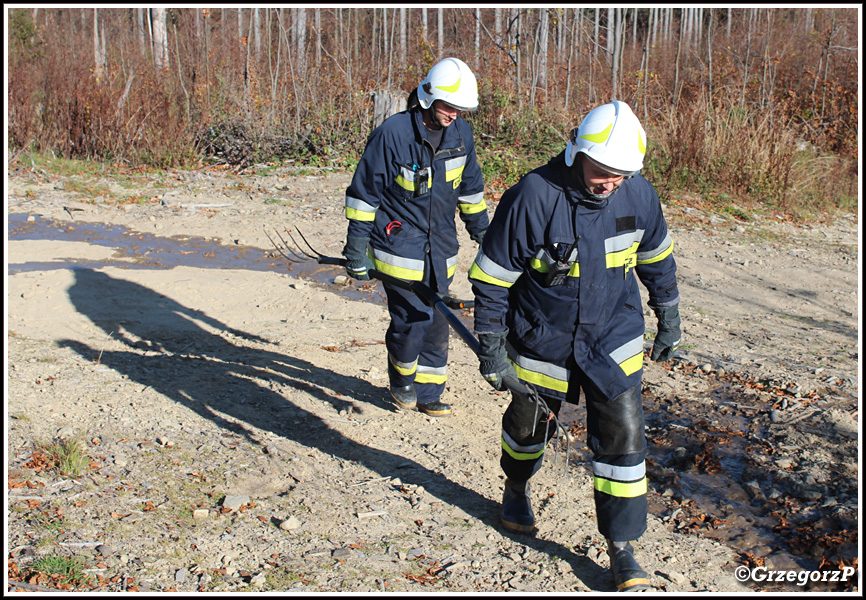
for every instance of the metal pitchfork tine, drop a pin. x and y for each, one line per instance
(285, 247)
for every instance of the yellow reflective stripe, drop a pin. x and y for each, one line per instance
(451, 270)
(453, 174)
(619, 488)
(599, 137)
(475, 272)
(633, 364)
(657, 257)
(542, 267)
(471, 209)
(541, 379)
(399, 272)
(359, 215)
(539, 265)
(429, 378)
(449, 88)
(402, 369)
(406, 184)
(521, 455)
(627, 257)
(641, 146)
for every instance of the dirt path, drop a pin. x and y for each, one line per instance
(237, 435)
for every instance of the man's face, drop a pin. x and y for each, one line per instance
(444, 114)
(598, 180)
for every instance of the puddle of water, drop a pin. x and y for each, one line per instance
(147, 251)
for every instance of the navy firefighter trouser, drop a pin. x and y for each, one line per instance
(417, 344)
(615, 435)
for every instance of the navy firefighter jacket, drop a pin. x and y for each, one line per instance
(403, 196)
(557, 270)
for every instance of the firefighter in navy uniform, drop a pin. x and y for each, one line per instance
(557, 306)
(418, 169)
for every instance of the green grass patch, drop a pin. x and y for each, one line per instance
(67, 455)
(70, 569)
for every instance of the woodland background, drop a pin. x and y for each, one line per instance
(742, 106)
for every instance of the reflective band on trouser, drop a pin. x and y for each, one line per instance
(625, 482)
(518, 452)
(469, 205)
(620, 492)
(426, 374)
(397, 266)
(629, 356)
(403, 368)
(359, 210)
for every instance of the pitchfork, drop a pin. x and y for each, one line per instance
(295, 253)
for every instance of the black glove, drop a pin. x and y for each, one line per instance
(494, 363)
(668, 337)
(478, 236)
(357, 262)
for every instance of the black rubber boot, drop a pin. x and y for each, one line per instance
(404, 397)
(628, 576)
(516, 515)
(435, 408)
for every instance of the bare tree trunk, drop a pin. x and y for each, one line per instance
(675, 93)
(424, 27)
(257, 32)
(477, 36)
(139, 28)
(160, 39)
(98, 48)
(540, 80)
(615, 31)
(318, 25)
(609, 40)
(752, 13)
(441, 45)
(403, 33)
(301, 48)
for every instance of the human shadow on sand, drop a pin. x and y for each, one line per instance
(181, 352)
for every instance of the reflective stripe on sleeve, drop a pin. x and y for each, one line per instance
(359, 210)
(484, 269)
(651, 256)
(472, 204)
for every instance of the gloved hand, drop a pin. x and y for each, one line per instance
(669, 334)
(493, 359)
(478, 236)
(357, 262)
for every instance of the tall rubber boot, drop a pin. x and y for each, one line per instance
(516, 515)
(404, 397)
(628, 576)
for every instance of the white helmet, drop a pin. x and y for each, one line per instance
(451, 81)
(612, 136)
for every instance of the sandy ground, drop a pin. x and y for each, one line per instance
(238, 436)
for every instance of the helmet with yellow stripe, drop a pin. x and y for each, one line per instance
(612, 136)
(451, 81)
